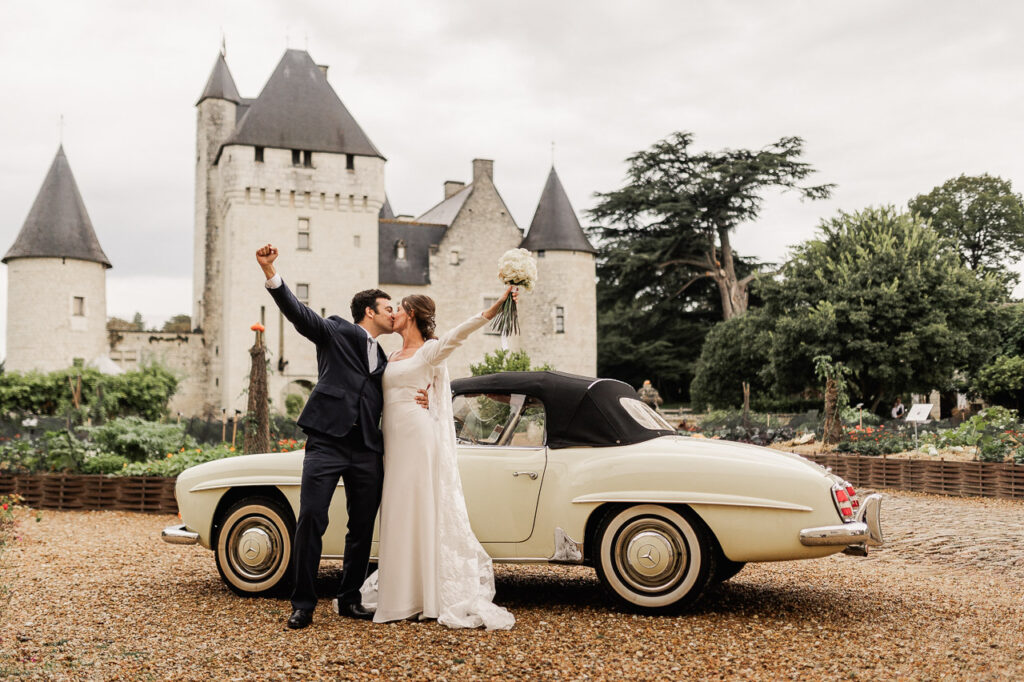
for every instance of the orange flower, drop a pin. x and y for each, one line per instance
(258, 327)
(231, 449)
(169, 455)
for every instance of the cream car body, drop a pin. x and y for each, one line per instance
(661, 517)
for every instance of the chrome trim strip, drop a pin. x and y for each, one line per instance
(864, 531)
(567, 550)
(179, 535)
(673, 497)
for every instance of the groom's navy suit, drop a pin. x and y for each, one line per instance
(342, 424)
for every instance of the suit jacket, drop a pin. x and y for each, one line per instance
(346, 393)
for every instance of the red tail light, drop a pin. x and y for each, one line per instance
(845, 498)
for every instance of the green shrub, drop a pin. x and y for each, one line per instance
(874, 441)
(144, 393)
(506, 361)
(176, 462)
(138, 440)
(293, 404)
(21, 456)
(104, 463)
(734, 351)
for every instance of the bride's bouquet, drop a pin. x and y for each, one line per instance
(518, 268)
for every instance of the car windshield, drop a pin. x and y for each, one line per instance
(646, 417)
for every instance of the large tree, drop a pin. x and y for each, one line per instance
(676, 214)
(983, 217)
(883, 293)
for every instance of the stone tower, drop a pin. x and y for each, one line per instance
(561, 316)
(57, 278)
(291, 167)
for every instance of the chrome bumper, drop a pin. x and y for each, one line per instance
(179, 535)
(864, 531)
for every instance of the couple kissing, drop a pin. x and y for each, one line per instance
(384, 426)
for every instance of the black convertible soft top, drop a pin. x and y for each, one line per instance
(580, 411)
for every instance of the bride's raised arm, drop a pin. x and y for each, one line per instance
(436, 353)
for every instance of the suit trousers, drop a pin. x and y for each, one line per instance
(362, 471)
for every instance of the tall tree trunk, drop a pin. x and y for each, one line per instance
(733, 291)
(257, 418)
(833, 428)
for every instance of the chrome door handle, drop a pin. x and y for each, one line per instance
(531, 474)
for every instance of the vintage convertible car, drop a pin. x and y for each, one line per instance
(559, 468)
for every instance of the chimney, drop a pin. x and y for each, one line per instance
(323, 69)
(483, 168)
(452, 187)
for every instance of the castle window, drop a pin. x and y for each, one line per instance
(259, 154)
(400, 249)
(559, 319)
(307, 159)
(296, 157)
(453, 257)
(540, 254)
(302, 292)
(350, 162)
(78, 306)
(304, 234)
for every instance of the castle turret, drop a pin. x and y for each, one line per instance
(563, 308)
(56, 281)
(291, 167)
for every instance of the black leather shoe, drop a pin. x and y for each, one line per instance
(352, 610)
(299, 619)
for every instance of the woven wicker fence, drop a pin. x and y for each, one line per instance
(156, 494)
(72, 492)
(964, 479)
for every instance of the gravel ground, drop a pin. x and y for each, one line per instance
(96, 595)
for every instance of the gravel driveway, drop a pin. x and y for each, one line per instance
(96, 595)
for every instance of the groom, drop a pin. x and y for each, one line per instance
(343, 438)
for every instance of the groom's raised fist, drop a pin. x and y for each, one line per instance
(266, 255)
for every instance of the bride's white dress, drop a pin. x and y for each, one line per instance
(430, 562)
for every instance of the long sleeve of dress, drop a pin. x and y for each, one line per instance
(438, 352)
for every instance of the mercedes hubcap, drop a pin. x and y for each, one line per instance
(651, 554)
(255, 547)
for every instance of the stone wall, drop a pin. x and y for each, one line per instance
(43, 330)
(181, 353)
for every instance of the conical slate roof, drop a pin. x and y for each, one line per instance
(221, 85)
(555, 226)
(58, 225)
(298, 109)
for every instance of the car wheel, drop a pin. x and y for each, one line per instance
(654, 558)
(254, 547)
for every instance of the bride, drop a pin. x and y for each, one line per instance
(430, 563)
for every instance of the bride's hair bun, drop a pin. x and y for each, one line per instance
(421, 308)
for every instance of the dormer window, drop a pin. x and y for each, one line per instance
(400, 249)
(350, 162)
(259, 154)
(296, 157)
(307, 159)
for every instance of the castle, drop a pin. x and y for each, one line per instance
(293, 167)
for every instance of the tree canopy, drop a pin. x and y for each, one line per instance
(735, 351)
(983, 217)
(883, 293)
(671, 224)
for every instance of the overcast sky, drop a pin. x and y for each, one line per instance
(891, 98)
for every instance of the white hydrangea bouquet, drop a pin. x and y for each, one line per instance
(516, 267)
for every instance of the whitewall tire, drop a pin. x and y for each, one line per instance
(253, 547)
(654, 558)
